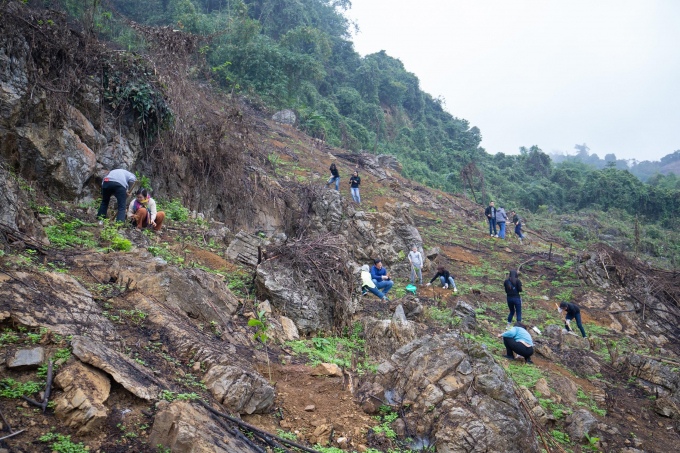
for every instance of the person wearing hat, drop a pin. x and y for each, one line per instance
(380, 277)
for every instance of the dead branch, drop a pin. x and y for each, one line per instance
(13, 434)
(9, 427)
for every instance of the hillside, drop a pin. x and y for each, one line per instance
(137, 341)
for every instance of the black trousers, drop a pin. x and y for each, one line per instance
(515, 346)
(108, 189)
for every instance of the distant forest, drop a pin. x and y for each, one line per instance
(298, 54)
(661, 172)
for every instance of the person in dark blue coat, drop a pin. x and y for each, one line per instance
(380, 277)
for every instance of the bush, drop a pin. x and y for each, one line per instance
(174, 210)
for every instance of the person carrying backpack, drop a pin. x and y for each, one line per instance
(501, 218)
(513, 286)
(518, 226)
(354, 183)
(518, 340)
(490, 213)
(335, 176)
(572, 311)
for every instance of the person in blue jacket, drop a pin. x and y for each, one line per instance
(518, 340)
(380, 277)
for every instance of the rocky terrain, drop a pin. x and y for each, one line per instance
(117, 340)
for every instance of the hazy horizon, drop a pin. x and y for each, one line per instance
(542, 73)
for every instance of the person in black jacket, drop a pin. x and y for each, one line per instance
(445, 277)
(513, 286)
(354, 183)
(335, 176)
(490, 213)
(572, 312)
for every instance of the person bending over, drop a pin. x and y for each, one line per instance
(444, 277)
(380, 277)
(571, 311)
(518, 340)
(142, 212)
(335, 176)
(116, 183)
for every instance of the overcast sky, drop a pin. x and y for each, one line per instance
(540, 72)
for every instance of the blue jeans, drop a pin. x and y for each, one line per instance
(450, 282)
(337, 182)
(518, 231)
(413, 274)
(387, 284)
(355, 194)
(515, 305)
(501, 228)
(492, 227)
(374, 291)
(110, 188)
(577, 316)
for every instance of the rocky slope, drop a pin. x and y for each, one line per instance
(131, 331)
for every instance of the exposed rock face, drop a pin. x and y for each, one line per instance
(26, 359)
(659, 379)
(285, 117)
(124, 370)
(436, 375)
(71, 309)
(385, 337)
(185, 428)
(591, 270)
(308, 308)
(14, 205)
(191, 291)
(85, 389)
(289, 330)
(244, 248)
(245, 392)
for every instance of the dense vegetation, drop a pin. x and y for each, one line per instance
(299, 54)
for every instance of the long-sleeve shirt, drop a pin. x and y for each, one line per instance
(416, 258)
(122, 177)
(151, 208)
(519, 334)
(355, 181)
(334, 172)
(573, 309)
(509, 288)
(377, 274)
(501, 216)
(366, 279)
(444, 274)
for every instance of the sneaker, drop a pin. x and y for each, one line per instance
(491, 235)
(101, 222)
(529, 361)
(455, 290)
(446, 286)
(496, 236)
(509, 326)
(363, 293)
(386, 298)
(509, 357)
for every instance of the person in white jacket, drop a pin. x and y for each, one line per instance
(367, 284)
(142, 211)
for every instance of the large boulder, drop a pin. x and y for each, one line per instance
(26, 359)
(85, 389)
(240, 390)
(384, 337)
(182, 427)
(244, 248)
(461, 400)
(579, 423)
(128, 373)
(285, 117)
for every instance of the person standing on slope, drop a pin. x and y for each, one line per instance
(501, 218)
(491, 217)
(116, 183)
(518, 226)
(513, 286)
(572, 312)
(335, 176)
(354, 183)
(518, 340)
(416, 260)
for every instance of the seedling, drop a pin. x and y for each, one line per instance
(261, 334)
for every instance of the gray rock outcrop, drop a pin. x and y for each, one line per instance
(285, 117)
(435, 374)
(26, 359)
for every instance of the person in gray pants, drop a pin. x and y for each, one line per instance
(416, 259)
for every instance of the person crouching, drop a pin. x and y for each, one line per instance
(142, 212)
(518, 340)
